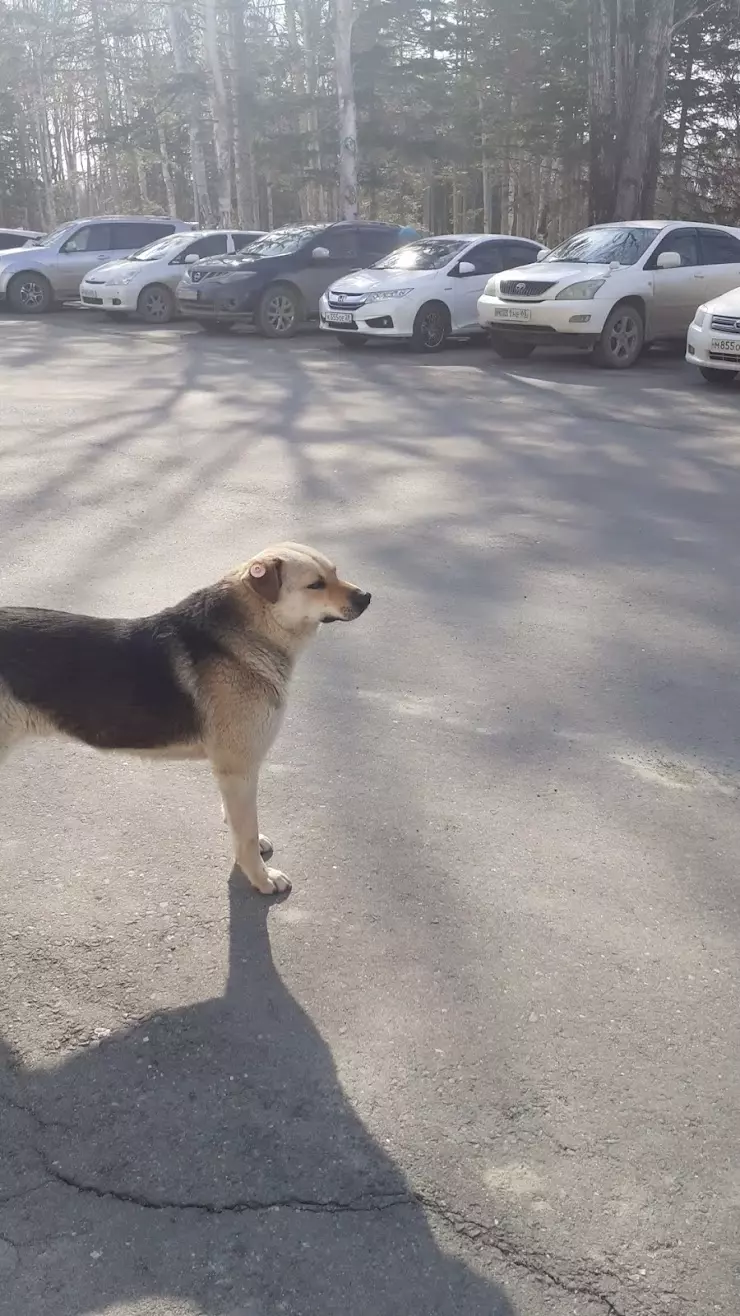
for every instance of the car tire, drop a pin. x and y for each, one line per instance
(280, 311)
(720, 377)
(155, 304)
(30, 294)
(351, 341)
(511, 351)
(622, 338)
(216, 326)
(431, 328)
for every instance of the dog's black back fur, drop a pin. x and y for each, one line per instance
(113, 683)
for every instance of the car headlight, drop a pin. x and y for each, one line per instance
(700, 315)
(581, 292)
(391, 295)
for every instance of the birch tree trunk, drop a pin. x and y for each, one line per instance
(221, 116)
(344, 21)
(601, 111)
(245, 171)
(164, 161)
(642, 143)
(201, 199)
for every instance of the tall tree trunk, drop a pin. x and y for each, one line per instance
(164, 162)
(221, 116)
(642, 143)
(201, 199)
(109, 167)
(245, 172)
(600, 113)
(343, 23)
(685, 94)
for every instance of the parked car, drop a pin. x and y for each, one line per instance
(10, 238)
(713, 342)
(426, 291)
(145, 282)
(276, 283)
(614, 288)
(33, 278)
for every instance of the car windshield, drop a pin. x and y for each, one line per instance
(283, 241)
(163, 247)
(431, 254)
(601, 246)
(50, 238)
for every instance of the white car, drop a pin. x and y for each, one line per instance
(145, 282)
(426, 291)
(713, 341)
(612, 288)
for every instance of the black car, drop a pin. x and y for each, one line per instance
(275, 284)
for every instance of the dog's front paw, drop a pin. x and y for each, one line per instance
(279, 883)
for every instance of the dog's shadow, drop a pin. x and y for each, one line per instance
(209, 1157)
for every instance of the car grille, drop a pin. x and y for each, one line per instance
(345, 301)
(92, 301)
(732, 357)
(726, 324)
(515, 288)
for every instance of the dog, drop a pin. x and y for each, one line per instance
(205, 679)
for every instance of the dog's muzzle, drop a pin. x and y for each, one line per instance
(358, 603)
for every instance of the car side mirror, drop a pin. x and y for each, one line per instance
(466, 267)
(320, 253)
(541, 254)
(191, 258)
(668, 260)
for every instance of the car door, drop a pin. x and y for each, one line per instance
(677, 292)
(719, 253)
(374, 243)
(461, 291)
(316, 273)
(213, 244)
(88, 246)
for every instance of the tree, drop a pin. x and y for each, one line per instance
(343, 24)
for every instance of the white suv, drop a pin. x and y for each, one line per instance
(612, 288)
(33, 278)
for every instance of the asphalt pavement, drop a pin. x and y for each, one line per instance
(483, 1061)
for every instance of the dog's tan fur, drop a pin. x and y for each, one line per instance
(237, 683)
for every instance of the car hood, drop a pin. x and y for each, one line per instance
(379, 280)
(235, 264)
(556, 271)
(727, 304)
(112, 270)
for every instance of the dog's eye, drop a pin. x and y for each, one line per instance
(317, 584)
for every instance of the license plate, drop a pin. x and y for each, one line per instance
(188, 295)
(511, 313)
(727, 346)
(339, 317)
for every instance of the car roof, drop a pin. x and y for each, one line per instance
(476, 237)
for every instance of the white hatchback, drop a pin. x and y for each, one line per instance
(145, 282)
(713, 341)
(614, 288)
(426, 291)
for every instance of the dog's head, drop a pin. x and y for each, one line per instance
(302, 588)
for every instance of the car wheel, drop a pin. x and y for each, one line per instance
(280, 312)
(718, 376)
(511, 351)
(431, 327)
(351, 340)
(156, 304)
(216, 326)
(622, 338)
(29, 294)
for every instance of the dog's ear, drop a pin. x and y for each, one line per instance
(266, 577)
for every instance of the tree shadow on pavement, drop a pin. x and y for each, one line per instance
(209, 1156)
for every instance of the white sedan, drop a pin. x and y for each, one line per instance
(426, 292)
(145, 282)
(713, 340)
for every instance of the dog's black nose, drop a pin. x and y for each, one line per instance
(361, 601)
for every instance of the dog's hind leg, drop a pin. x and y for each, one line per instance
(239, 795)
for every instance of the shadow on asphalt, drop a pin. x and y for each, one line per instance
(229, 1113)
